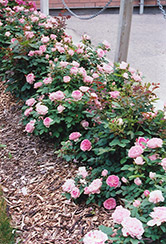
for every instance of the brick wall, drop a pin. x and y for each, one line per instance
(92, 3)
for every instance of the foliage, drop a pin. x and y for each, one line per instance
(6, 231)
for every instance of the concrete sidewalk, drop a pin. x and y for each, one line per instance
(147, 49)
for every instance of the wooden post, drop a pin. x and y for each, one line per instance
(125, 18)
(44, 6)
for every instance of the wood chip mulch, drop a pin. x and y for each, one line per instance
(31, 177)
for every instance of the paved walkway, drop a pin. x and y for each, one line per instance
(147, 49)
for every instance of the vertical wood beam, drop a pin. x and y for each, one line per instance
(125, 18)
(44, 6)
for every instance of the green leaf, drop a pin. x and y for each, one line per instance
(114, 142)
(2, 146)
(106, 230)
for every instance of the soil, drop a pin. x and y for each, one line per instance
(31, 177)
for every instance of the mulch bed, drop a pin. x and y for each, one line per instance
(31, 177)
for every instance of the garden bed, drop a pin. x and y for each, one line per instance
(31, 178)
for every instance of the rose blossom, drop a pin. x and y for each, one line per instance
(94, 187)
(100, 53)
(155, 142)
(58, 95)
(146, 193)
(113, 181)
(153, 157)
(74, 136)
(139, 161)
(110, 203)
(88, 79)
(75, 192)
(137, 181)
(41, 109)
(152, 175)
(45, 39)
(47, 80)
(66, 79)
(47, 121)
(68, 185)
(30, 126)
(77, 95)
(158, 216)
(95, 237)
(141, 141)
(104, 172)
(38, 84)
(28, 111)
(136, 203)
(85, 124)
(60, 108)
(124, 180)
(163, 163)
(114, 94)
(119, 214)
(84, 88)
(123, 65)
(30, 102)
(30, 78)
(132, 227)
(135, 151)
(156, 196)
(82, 171)
(86, 145)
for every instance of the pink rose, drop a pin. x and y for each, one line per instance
(74, 70)
(136, 203)
(30, 78)
(41, 109)
(43, 48)
(82, 171)
(146, 193)
(68, 185)
(38, 84)
(104, 172)
(47, 121)
(152, 175)
(86, 145)
(30, 126)
(141, 141)
(113, 181)
(137, 181)
(158, 216)
(153, 157)
(94, 187)
(45, 39)
(114, 94)
(135, 151)
(95, 237)
(77, 95)
(100, 53)
(106, 44)
(28, 111)
(30, 102)
(132, 227)
(156, 196)
(155, 143)
(88, 79)
(163, 163)
(47, 80)
(85, 124)
(74, 136)
(124, 180)
(66, 79)
(60, 108)
(75, 192)
(120, 214)
(123, 65)
(110, 203)
(84, 88)
(58, 95)
(139, 161)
